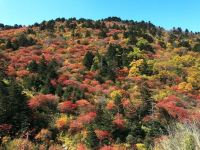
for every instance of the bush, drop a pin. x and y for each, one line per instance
(19, 144)
(196, 48)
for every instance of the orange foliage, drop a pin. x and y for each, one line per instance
(82, 103)
(175, 107)
(67, 106)
(102, 134)
(119, 121)
(110, 105)
(41, 99)
(107, 148)
(81, 147)
(61, 123)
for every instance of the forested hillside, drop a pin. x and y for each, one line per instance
(111, 84)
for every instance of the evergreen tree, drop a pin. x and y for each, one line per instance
(88, 60)
(59, 90)
(196, 48)
(102, 34)
(147, 106)
(13, 106)
(9, 44)
(33, 66)
(91, 139)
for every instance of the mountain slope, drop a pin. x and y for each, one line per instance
(88, 84)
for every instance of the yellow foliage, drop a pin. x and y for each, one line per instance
(186, 60)
(121, 146)
(141, 146)
(28, 93)
(70, 142)
(134, 71)
(5, 81)
(44, 135)
(19, 144)
(194, 77)
(116, 94)
(62, 122)
(162, 94)
(165, 74)
(185, 86)
(5, 139)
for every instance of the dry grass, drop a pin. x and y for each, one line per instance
(181, 137)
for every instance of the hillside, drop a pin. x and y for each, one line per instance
(110, 84)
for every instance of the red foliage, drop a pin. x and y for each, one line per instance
(119, 121)
(126, 103)
(110, 105)
(41, 99)
(102, 134)
(107, 148)
(75, 124)
(69, 82)
(94, 83)
(122, 72)
(67, 106)
(5, 127)
(83, 86)
(82, 103)
(82, 120)
(81, 147)
(149, 118)
(175, 107)
(11, 70)
(62, 78)
(22, 73)
(87, 118)
(54, 83)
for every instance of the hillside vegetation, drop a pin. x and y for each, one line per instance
(110, 84)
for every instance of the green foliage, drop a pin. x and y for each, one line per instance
(103, 119)
(196, 48)
(141, 67)
(14, 109)
(88, 60)
(59, 91)
(91, 139)
(144, 45)
(115, 36)
(21, 41)
(45, 73)
(184, 43)
(117, 56)
(135, 54)
(73, 93)
(106, 71)
(102, 34)
(49, 25)
(87, 34)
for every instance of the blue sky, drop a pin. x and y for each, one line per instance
(165, 13)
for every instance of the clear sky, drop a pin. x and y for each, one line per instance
(165, 13)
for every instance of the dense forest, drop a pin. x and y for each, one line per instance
(110, 84)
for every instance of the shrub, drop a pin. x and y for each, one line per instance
(19, 144)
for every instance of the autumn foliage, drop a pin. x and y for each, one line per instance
(41, 100)
(108, 84)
